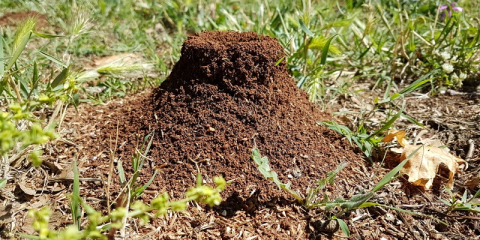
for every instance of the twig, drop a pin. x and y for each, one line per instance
(67, 179)
(457, 93)
(471, 149)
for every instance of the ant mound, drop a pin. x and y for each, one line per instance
(228, 93)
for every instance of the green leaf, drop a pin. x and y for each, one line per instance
(60, 78)
(356, 201)
(367, 204)
(75, 204)
(28, 236)
(446, 202)
(343, 226)
(413, 213)
(325, 50)
(18, 51)
(264, 168)
(279, 61)
(53, 59)
(139, 191)
(305, 28)
(46, 35)
(121, 172)
(331, 175)
(418, 84)
(2, 67)
(412, 120)
(464, 197)
(389, 123)
(390, 175)
(145, 153)
(34, 82)
(3, 183)
(476, 195)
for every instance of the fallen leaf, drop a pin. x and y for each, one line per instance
(424, 164)
(125, 57)
(23, 184)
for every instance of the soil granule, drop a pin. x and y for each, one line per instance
(226, 95)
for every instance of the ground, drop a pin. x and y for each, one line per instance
(226, 95)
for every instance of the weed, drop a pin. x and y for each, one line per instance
(314, 201)
(463, 204)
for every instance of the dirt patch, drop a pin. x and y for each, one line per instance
(14, 19)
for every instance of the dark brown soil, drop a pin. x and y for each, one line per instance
(225, 96)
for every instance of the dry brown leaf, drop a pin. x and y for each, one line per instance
(23, 184)
(423, 165)
(125, 57)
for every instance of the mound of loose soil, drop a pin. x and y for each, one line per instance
(226, 95)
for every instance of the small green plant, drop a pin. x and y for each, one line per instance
(98, 224)
(126, 205)
(463, 204)
(314, 201)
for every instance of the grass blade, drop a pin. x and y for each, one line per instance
(17, 52)
(21, 38)
(305, 28)
(46, 35)
(390, 175)
(60, 78)
(139, 191)
(75, 204)
(325, 50)
(3, 183)
(389, 123)
(2, 55)
(51, 58)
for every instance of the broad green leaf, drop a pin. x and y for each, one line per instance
(60, 78)
(343, 226)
